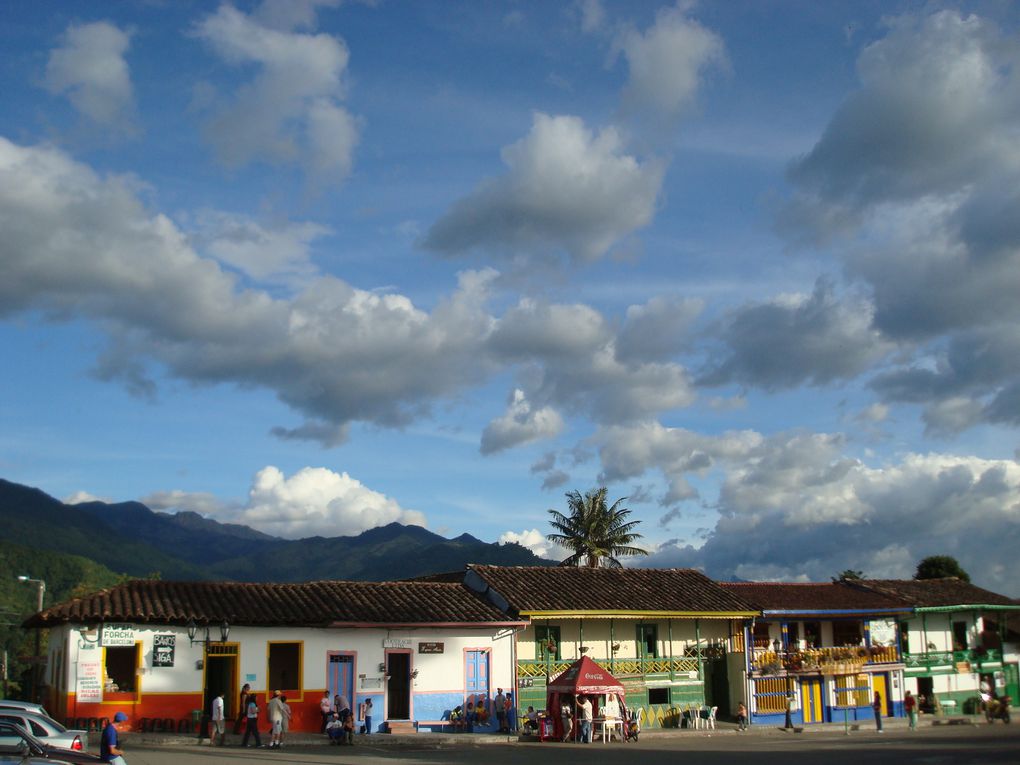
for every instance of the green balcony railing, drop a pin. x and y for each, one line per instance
(618, 666)
(930, 659)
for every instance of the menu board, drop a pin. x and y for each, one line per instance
(89, 673)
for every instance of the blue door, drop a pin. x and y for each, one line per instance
(340, 676)
(476, 678)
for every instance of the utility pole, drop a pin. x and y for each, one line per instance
(37, 669)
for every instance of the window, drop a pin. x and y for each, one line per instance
(547, 642)
(761, 635)
(284, 666)
(905, 637)
(813, 634)
(959, 636)
(648, 641)
(852, 691)
(793, 633)
(658, 695)
(846, 633)
(121, 663)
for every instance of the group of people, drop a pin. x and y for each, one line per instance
(277, 710)
(583, 710)
(466, 717)
(338, 718)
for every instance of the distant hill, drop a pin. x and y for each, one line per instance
(129, 538)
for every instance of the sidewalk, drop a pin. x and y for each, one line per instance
(457, 740)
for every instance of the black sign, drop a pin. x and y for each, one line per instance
(163, 650)
(430, 647)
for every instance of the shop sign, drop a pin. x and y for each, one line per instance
(118, 634)
(163, 650)
(396, 643)
(429, 647)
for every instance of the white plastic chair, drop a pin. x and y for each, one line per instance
(710, 721)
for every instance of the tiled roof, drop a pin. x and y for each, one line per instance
(530, 589)
(811, 596)
(306, 604)
(936, 593)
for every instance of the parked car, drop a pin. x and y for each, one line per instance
(47, 730)
(28, 706)
(15, 741)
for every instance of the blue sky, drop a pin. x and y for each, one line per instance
(318, 266)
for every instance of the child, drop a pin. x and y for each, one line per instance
(741, 716)
(347, 737)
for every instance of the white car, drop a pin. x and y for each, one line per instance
(28, 706)
(47, 730)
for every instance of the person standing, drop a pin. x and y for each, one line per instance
(567, 718)
(251, 720)
(500, 703)
(286, 718)
(368, 715)
(910, 707)
(109, 742)
(217, 723)
(274, 710)
(877, 706)
(584, 716)
(325, 709)
(242, 707)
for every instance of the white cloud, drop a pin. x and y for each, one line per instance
(273, 251)
(90, 67)
(312, 502)
(535, 541)
(77, 244)
(521, 424)
(83, 496)
(667, 63)
(566, 189)
(290, 112)
(593, 15)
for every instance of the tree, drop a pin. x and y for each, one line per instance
(595, 534)
(938, 566)
(849, 575)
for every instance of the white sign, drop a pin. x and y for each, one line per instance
(118, 634)
(883, 632)
(396, 643)
(89, 682)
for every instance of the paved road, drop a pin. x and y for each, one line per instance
(946, 745)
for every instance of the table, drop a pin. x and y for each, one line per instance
(608, 726)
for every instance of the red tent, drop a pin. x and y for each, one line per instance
(582, 678)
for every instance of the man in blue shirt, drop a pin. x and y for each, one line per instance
(109, 743)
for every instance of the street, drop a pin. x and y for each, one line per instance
(966, 745)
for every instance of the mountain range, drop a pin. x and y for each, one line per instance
(130, 539)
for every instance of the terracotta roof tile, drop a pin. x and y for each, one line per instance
(812, 596)
(935, 593)
(562, 588)
(305, 604)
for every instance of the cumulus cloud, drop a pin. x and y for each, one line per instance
(312, 502)
(535, 541)
(566, 190)
(917, 177)
(274, 251)
(521, 424)
(798, 339)
(798, 509)
(667, 63)
(89, 66)
(80, 245)
(291, 111)
(83, 496)
(657, 330)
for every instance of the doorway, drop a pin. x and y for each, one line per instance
(221, 677)
(880, 685)
(340, 675)
(811, 699)
(398, 686)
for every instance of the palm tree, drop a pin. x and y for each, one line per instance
(594, 533)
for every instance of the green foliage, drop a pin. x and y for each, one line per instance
(595, 534)
(939, 566)
(849, 575)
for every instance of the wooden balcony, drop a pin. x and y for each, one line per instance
(829, 661)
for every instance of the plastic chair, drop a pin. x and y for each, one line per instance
(710, 720)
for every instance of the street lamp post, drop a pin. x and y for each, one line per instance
(41, 592)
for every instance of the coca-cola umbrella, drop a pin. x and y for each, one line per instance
(584, 677)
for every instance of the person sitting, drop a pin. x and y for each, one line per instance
(335, 729)
(531, 722)
(457, 718)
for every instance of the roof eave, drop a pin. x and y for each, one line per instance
(610, 613)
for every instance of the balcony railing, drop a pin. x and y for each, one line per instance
(930, 659)
(830, 661)
(618, 666)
